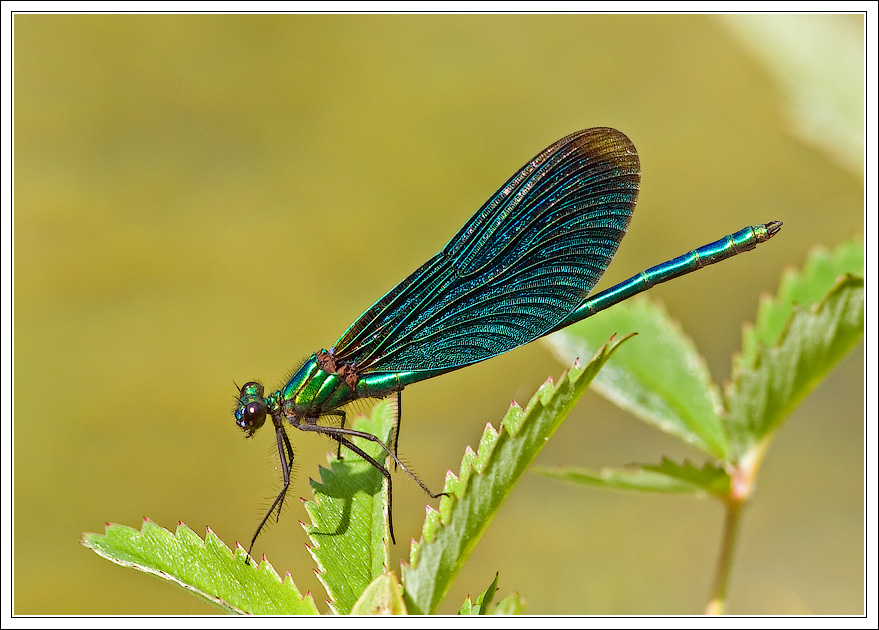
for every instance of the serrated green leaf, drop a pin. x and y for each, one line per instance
(668, 477)
(659, 376)
(815, 339)
(710, 477)
(349, 516)
(483, 600)
(383, 596)
(486, 478)
(204, 567)
(809, 286)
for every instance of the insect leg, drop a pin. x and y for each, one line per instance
(343, 416)
(398, 424)
(339, 434)
(285, 453)
(348, 444)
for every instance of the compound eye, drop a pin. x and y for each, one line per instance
(252, 416)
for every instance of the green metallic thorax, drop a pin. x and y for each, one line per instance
(312, 392)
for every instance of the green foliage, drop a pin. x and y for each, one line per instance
(483, 600)
(486, 478)
(799, 335)
(349, 530)
(204, 567)
(383, 596)
(661, 377)
(668, 476)
(512, 604)
(822, 270)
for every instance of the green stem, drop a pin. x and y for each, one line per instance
(717, 605)
(742, 477)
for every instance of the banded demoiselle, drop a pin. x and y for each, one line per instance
(520, 268)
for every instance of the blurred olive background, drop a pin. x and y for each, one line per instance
(202, 198)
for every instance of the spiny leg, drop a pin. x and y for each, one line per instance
(342, 415)
(381, 469)
(285, 453)
(398, 424)
(337, 434)
(369, 436)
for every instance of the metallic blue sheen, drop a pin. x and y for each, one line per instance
(521, 267)
(521, 264)
(744, 240)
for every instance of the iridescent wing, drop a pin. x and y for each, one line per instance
(522, 263)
